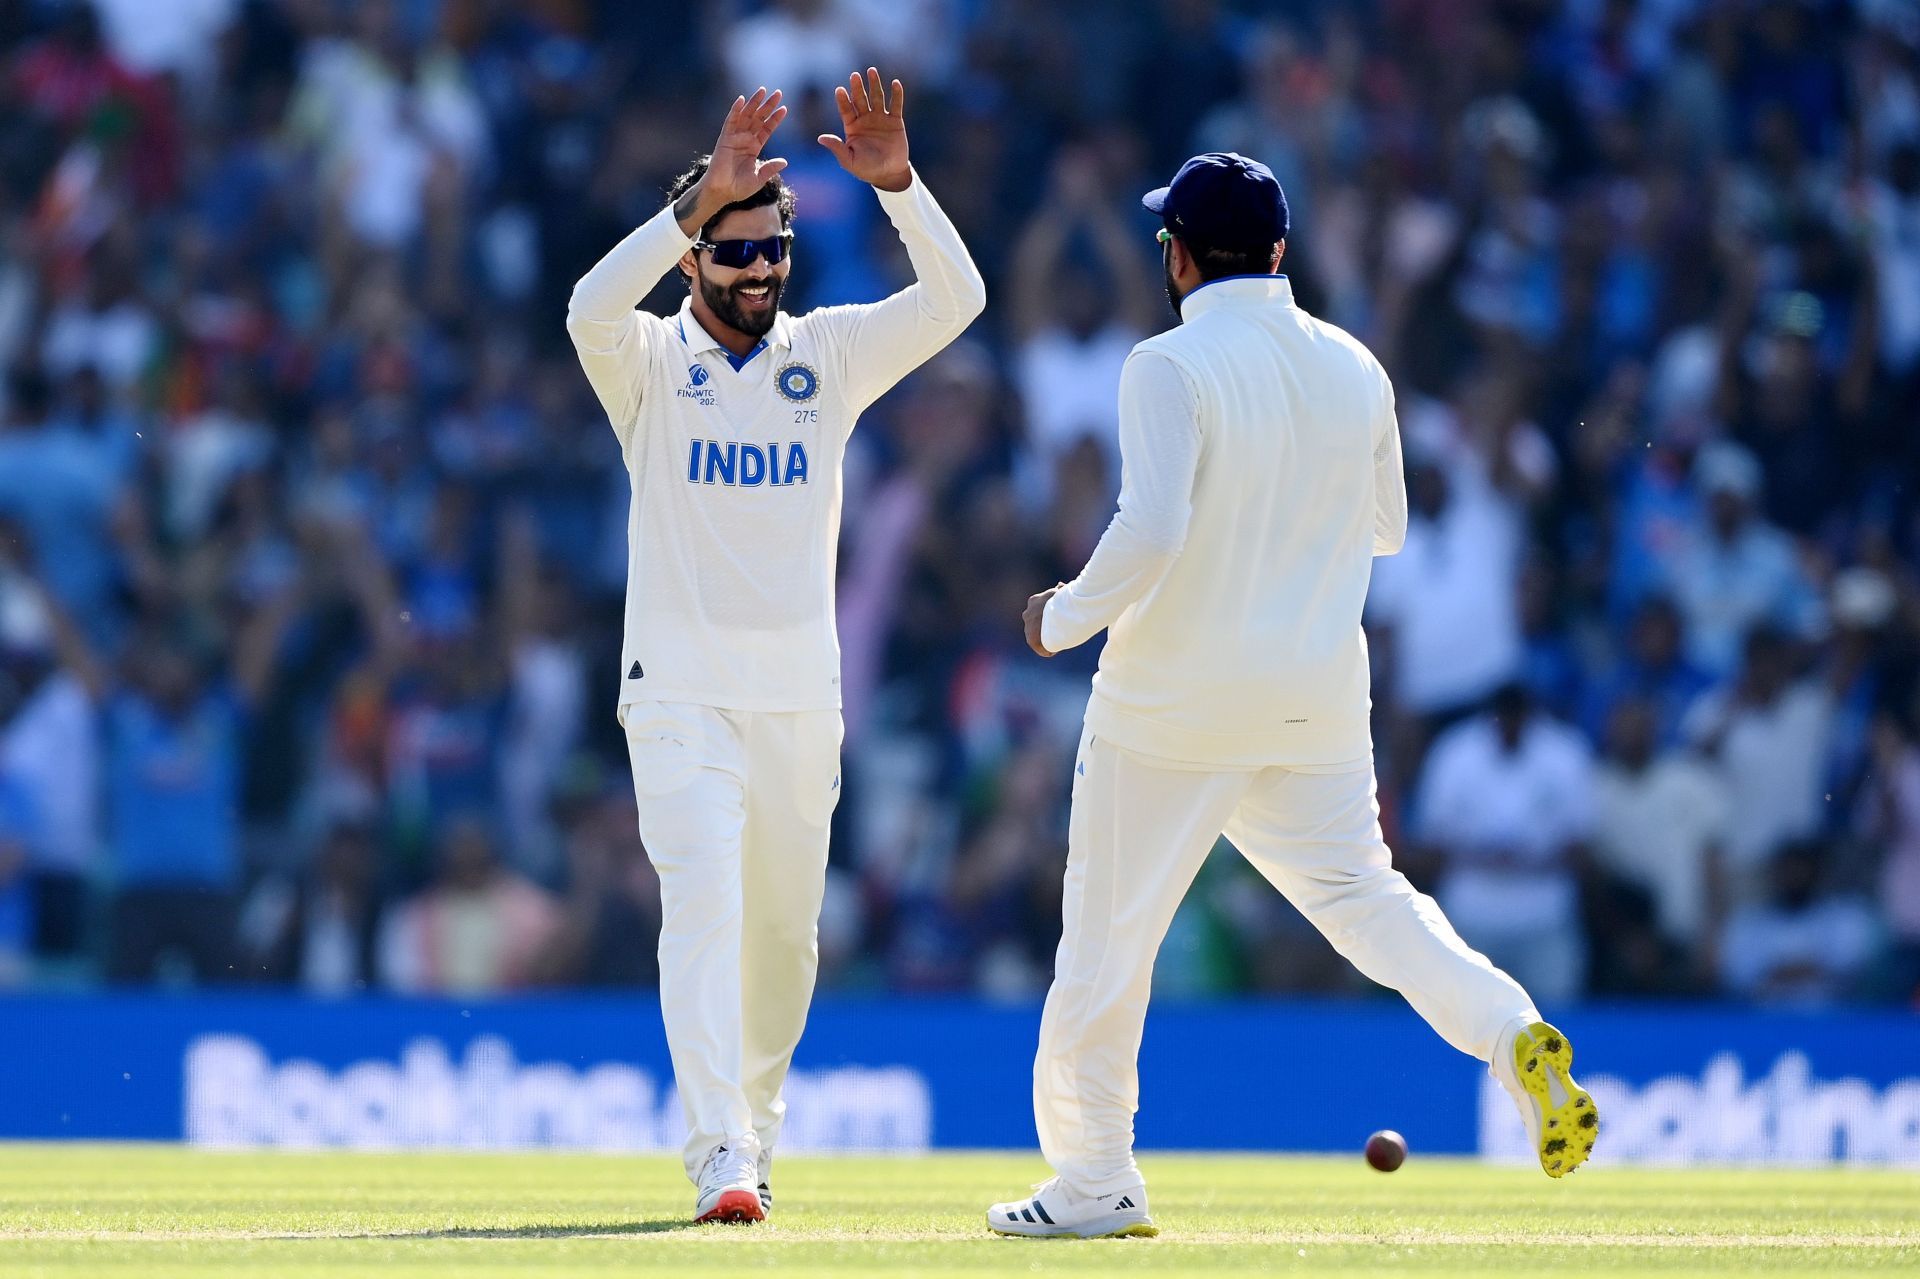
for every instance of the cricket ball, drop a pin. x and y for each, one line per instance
(1386, 1150)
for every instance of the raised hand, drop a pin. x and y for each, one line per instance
(736, 170)
(874, 148)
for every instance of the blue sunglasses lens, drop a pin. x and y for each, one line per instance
(740, 253)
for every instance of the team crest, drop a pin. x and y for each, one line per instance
(798, 382)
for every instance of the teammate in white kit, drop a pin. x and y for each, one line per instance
(732, 417)
(1261, 474)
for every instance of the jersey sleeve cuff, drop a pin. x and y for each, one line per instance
(906, 201)
(664, 227)
(1056, 629)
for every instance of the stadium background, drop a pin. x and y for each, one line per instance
(312, 535)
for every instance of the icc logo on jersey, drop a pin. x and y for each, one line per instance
(696, 388)
(798, 382)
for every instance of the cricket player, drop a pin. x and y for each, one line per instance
(732, 416)
(1261, 474)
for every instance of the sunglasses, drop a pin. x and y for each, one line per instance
(741, 253)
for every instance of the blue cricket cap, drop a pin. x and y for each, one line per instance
(1222, 200)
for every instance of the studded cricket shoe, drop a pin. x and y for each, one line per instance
(764, 1169)
(729, 1187)
(1536, 1069)
(1053, 1211)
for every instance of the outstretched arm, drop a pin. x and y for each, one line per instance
(1036, 270)
(609, 337)
(1078, 199)
(1159, 455)
(256, 648)
(891, 338)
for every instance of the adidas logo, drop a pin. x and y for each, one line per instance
(634, 672)
(1126, 1201)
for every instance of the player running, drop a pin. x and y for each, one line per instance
(1261, 475)
(732, 416)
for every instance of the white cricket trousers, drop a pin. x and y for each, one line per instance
(734, 809)
(1140, 829)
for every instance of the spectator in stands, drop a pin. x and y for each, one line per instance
(278, 278)
(1446, 608)
(476, 928)
(545, 696)
(49, 748)
(1893, 225)
(1800, 944)
(101, 324)
(1891, 818)
(175, 736)
(1505, 806)
(1737, 571)
(1549, 667)
(61, 486)
(609, 931)
(1660, 817)
(1766, 734)
(21, 833)
(1863, 667)
(795, 45)
(1082, 297)
(320, 932)
(998, 892)
(1653, 668)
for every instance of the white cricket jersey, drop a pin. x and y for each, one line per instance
(735, 462)
(1260, 475)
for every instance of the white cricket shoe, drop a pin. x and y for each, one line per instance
(764, 1168)
(1534, 1063)
(728, 1185)
(1054, 1211)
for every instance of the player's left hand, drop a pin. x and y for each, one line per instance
(874, 148)
(1035, 614)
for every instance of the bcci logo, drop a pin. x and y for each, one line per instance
(798, 382)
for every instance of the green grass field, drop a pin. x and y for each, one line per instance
(165, 1211)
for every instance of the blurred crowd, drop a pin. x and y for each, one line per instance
(312, 536)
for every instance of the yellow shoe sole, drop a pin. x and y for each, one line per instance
(1138, 1230)
(1569, 1123)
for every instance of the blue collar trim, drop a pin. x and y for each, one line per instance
(740, 361)
(737, 361)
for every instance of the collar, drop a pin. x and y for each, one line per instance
(1236, 290)
(699, 341)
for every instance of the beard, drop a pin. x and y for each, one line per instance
(1174, 295)
(726, 304)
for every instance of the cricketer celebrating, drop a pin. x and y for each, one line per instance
(732, 417)
(1261, 474)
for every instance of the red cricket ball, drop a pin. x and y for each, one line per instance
(1386, 1150)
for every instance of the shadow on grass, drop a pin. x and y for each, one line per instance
(604, 1228)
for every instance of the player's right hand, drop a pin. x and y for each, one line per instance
(1035, 617)
(736, 170)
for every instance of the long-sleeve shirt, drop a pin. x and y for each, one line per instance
(1261, 473)
(735, 461)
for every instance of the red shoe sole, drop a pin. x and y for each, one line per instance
(735, 1208)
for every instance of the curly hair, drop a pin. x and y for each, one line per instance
(775, 192)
